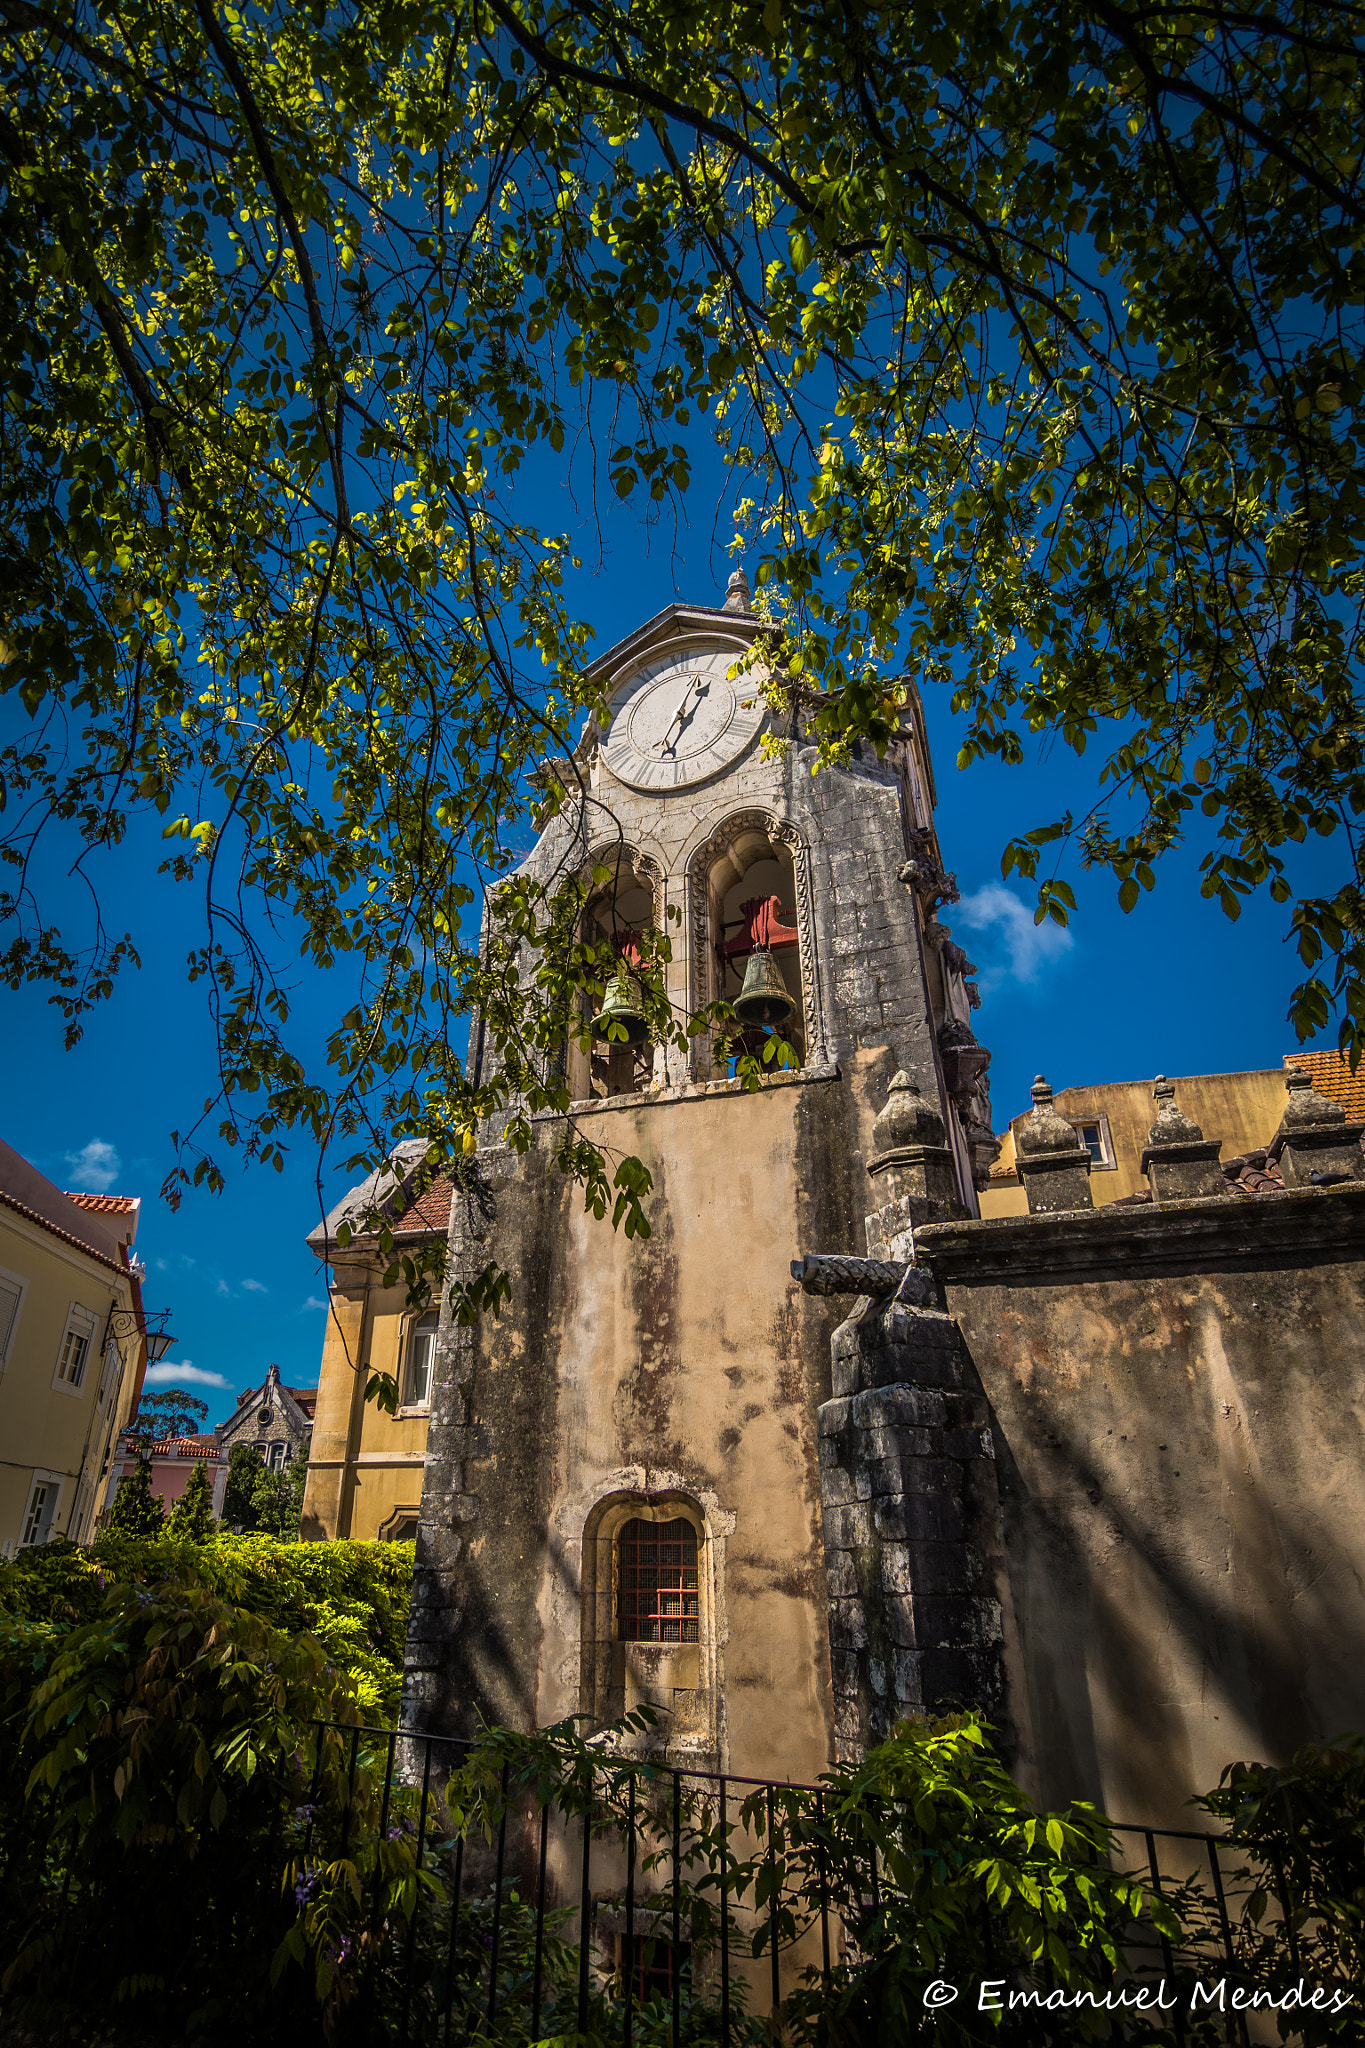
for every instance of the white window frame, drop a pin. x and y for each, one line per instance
(18, 1281)
(44, 1479)
(277, 1464)
(80, 1322)
(1106, 1163)
(429, 1323)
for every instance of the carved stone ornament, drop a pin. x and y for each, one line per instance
(742, 825)
(907, 1117)
(1315, 1145)
(1052, 1162)
(1179, 1161)
(645, 868)
(924, 872)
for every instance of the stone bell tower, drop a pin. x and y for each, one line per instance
(622, 1496)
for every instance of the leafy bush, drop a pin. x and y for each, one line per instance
(159, 1767)
(1298, 1833)
(353, 1597)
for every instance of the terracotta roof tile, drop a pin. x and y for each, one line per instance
(430, 1210)
(68, 1237)
(105, 1205)
(1331, 1075)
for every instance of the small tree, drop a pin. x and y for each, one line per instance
(259, 1501)
(136, 1510)
(171, 1412)
(244, 1468)
(192, 1514)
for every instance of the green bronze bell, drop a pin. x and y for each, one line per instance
(621, 1006)
(764, 999)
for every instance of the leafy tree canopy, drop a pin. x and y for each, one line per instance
(257, 1500)
(170, 1412)
(1032, 334)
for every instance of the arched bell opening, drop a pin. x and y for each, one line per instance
(617, 915)
(752, 943)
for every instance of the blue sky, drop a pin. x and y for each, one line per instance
(1173, 988)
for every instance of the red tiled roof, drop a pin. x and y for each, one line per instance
(1331, 1075)
(306, 1397)
(428, 1211)
(174, 1446)
(110, 1205)
(67, 1236)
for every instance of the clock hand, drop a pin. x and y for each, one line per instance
(682, 715)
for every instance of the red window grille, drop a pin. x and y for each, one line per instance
(656, 1964)
(658, 1582)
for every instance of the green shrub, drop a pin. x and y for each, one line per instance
(353, 1596)
(136, 1510)
(161, 1768)
(192, 1514)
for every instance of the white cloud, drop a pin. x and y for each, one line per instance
(254, 1287)
(95, 1168)
(999, 915)
(312, 1302)
(224, 1289)
(182, 1375)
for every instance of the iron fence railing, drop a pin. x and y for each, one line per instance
(548, 1861)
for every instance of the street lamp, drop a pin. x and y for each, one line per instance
(129, 1322)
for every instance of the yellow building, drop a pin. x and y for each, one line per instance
(72, 1351)
(365, 1465)
(1113, 1119)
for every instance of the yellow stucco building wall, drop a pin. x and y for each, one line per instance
(68, 1379)
(1242, 1110)
(364, 1464)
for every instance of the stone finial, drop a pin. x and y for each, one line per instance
(1051, 1160)
(1315, 1146)
(1172, 1126)
(1305, 1107)
(1180, 1163)
(738, 597)
(912, 1169)
(1043, 1130)
(906, 1118)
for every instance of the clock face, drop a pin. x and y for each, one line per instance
(680, 720)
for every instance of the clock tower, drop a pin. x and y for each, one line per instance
(622, 1499)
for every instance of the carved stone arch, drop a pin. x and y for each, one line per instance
(642, 865)
(721, 846)
(681, 1681)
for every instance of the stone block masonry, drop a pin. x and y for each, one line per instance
(910, 1510)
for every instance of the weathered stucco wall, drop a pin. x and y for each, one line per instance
(1176, 1400)
(687, 1367)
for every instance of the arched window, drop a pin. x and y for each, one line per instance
(745, 886)
(617, 916)
(421, 1357)
(657, 1577)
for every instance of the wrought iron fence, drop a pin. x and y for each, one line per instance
(695, 1899)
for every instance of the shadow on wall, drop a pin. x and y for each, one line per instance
(1184, 1521)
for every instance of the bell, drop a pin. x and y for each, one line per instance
(621, 1007)
(764, 998)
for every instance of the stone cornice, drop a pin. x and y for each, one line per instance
(673, 620)
(1301, 1225)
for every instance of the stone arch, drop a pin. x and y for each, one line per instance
(633, 867)
(731, 847)
(680, 1680)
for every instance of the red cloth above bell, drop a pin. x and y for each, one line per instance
(762, 929)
